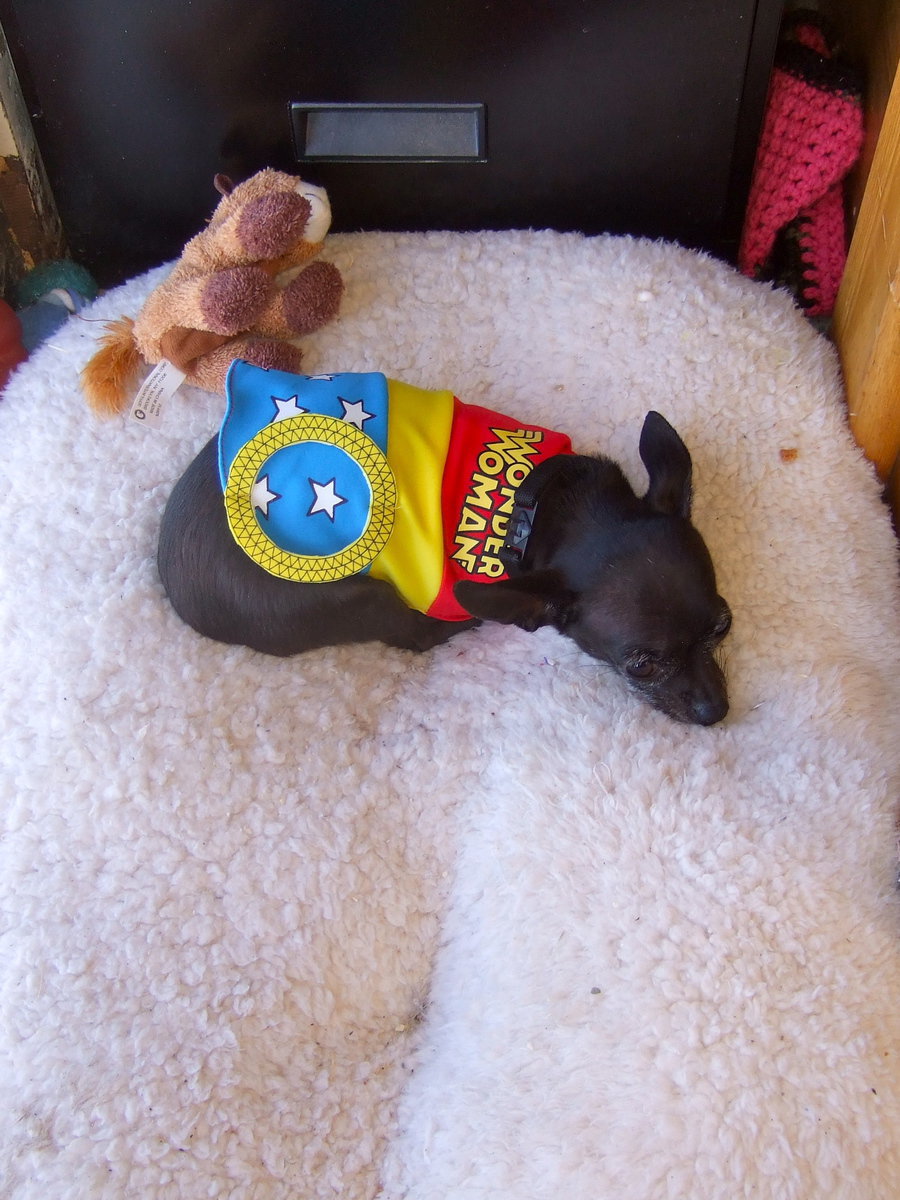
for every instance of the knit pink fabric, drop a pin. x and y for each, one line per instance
(811, 137)
(823, 241)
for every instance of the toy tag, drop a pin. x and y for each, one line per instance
(160, 385)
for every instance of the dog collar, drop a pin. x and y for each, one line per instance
(521, 519)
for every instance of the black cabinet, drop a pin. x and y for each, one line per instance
(628, 116)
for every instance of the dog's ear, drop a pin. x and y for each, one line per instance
(668, 464)
(529, 601)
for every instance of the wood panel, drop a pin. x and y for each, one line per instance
(30, 229)
(867, 315)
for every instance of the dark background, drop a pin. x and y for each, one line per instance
(626, 116)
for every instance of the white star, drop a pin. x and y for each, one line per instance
(261, 497)
(327, 499)
(355, 414)
(288, 407)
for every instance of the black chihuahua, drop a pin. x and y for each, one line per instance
(628, 578)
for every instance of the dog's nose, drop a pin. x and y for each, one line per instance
(709, 710)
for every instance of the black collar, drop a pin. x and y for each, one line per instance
(521, 519)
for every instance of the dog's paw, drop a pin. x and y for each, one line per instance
(429, 632)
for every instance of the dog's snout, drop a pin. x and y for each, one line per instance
(710, 710)
(708, 696)
(320, 211)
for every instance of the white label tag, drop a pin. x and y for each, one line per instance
(160, 385)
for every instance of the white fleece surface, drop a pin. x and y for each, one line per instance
(475, 925)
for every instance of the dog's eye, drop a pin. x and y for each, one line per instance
(643, 667)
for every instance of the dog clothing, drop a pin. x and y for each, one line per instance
(329, 476)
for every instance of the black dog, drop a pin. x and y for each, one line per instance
(628, 578)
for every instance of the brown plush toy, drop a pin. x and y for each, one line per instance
(240, 289)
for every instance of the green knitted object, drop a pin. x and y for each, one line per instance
(62, 273)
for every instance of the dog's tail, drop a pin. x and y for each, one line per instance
(109, 376)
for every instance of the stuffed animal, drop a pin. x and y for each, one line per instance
(240, 289)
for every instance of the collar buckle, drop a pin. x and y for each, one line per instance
(518, 531)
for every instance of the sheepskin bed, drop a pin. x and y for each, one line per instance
(477, 923)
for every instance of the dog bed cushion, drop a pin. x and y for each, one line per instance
(477, 924)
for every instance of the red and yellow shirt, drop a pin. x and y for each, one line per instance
(328, 476)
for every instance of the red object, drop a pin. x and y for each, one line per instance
(488, 458)
(12, 352)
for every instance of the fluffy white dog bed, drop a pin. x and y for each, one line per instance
(477, 923)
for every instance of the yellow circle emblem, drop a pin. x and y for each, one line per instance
(247, 469)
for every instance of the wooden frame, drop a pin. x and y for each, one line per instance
(30, 228)
(867, 314)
